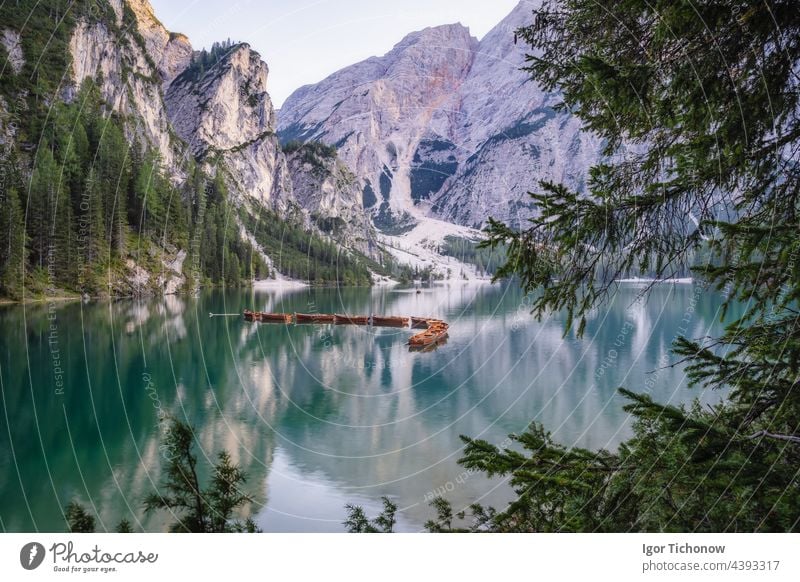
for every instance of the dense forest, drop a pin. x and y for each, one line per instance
(88, 200)
(301, 254)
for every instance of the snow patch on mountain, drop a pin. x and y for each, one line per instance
(420, 248)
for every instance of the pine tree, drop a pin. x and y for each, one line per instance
(78, 519)
(12, 245)
(39, 209)
(716, 174)
(62, 244)
(358, 522)
(113, 170)
(232, 270)
(199, 510)
(92, 239)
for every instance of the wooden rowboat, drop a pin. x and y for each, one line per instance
(429, 347)
(267, 317)
(436, 332)
(351, 319)
(420, 322)
(276, 317)
(389, 321)
(428, 339)
(313, 318)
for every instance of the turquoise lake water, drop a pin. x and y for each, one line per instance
(318, 416)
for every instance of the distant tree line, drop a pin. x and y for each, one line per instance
(204, 60)
(304, 255)
(486, 260)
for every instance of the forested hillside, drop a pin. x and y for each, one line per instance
(85, 199)
(98, 194)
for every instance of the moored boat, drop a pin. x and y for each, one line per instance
(436, 333)
(430, 346)
(313, 318)
(276, 317)
(351, 319)
(251, 315)
(420, 322)
(389, 321)
(267, 317)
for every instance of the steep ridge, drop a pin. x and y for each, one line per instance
(224, 112)
(378, 112)
(509, 136)
(171, 52)
(226, 116)
(444, 126)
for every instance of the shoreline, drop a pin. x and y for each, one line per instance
(648, 281)
(263, 285)
(59, 298)
(278, 284)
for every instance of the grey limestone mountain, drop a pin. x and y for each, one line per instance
(444, 125)
(221, 117)
(442, 129)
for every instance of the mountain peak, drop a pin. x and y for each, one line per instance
(444, 124)
(448, 35)
(144, 13)
(170, 51)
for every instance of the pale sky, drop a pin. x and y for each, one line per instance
(304, 41)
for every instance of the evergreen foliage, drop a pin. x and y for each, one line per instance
(205, 60)
(78, 519)
(718, 178)
(313, 152)
(210, 510)
(304, 255)
(200, 510)
(707, 95)
(357, 521)
(13, 244)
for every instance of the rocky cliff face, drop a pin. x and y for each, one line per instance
(131, 80)
(171, 52)
(224, 107)
(10, 41)
(221, 116)
(329, 191)
(378, 113)
(444, 125)
(225, 113)
(508, 135)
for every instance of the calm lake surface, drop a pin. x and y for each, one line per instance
(318, 416)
